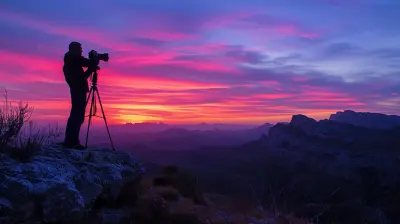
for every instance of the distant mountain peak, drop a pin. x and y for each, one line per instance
(366, 119)
(300, 119)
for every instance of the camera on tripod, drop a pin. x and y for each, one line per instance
(95, 57)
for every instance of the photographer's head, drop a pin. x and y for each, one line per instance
(75, 48)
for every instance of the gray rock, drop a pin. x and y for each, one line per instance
(63, 184)
(5, 207)
(88, 187)
(16, 193)
(63, 203)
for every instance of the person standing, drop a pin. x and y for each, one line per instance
(76, 78)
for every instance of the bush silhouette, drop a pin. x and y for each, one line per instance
(18, 140)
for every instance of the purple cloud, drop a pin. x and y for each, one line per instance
(197, 61)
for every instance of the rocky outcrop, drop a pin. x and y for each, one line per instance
(303, 122)
(282, 134)
(59, 185)
(334, 164)
(304, 130)
(366, 119)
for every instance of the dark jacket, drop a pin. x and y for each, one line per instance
(74, 74)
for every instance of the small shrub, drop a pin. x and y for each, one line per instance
(170, 170)
(16, 139)
(20, 154)
(12, 120)
(34, 137)
(168, 193)
(187, 184)
(130, 192)
(161, 181)
(150, 209)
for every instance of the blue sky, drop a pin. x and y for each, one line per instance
(208, 61)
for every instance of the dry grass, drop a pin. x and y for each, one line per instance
(18, 140)
(12, 119)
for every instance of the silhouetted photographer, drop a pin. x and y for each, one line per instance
(77, 80)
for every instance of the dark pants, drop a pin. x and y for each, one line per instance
(76, 117)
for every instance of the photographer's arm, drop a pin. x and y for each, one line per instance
(84, 62)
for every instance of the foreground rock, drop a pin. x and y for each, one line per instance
(58, 185)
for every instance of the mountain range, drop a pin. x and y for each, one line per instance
(336, 169)
(187, 137)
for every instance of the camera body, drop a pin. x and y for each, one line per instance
(96, 57)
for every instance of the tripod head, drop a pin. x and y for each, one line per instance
(94, 77)
(95, 59)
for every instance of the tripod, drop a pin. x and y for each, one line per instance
(93, 108)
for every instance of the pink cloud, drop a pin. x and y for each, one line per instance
(291, 30)
(144, 85)
(147, 82)
(157, 81)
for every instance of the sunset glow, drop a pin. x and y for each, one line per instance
(202, 61)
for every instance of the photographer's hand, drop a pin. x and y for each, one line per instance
(89, 71)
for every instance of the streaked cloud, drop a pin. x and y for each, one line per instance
(201, 61)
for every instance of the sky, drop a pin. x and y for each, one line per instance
(225, 61)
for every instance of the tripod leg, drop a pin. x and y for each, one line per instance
(90, 115)
(105, 120)
(88, 97)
